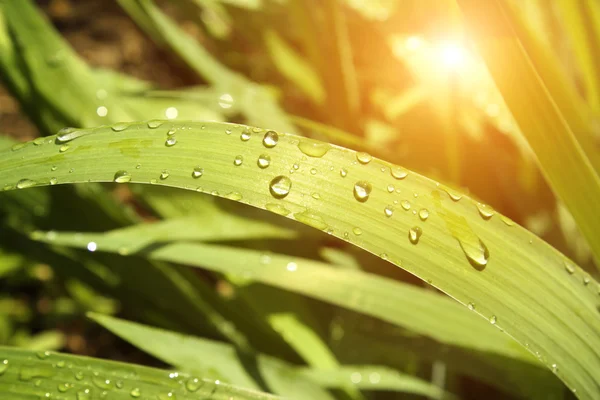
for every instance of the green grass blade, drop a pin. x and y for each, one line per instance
(563, 161)
(190, 353)
(512, 278)
(401, 304)
(26, 375)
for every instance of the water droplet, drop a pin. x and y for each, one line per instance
(29, 372)
(405, 204)
(237, 196)
(119, 384)
(63, 387)
(390, 188)
(63, 148)
(246, 135)
(362, 190)
(493, 320)
(193, 384)
(586, 280)
(454, 195)
(471, 306)
(277, 209)
(309, 218)
(356, 377)
(291, 266)
(3, 367)
(554, 368)
(383, 256)
(423, 214)
(101, 382)
(84, 394)
(164, 174)
(197, 172)
(122, 176)
(155, 123)
(138, 166)
(313, 171)
(264, 160)
(53, 168)
(357, 231)
(388, 211)
(476, 251)
(507, 220)
(39, 141)
(343, 172)
(570, 268)
(228, 131)
(171, 141)
(135, 392)
(270, 140)
(363, 158)
(119, 126)
(398, 172)
(238, 160)
(313, 148)
(414, 234)
(68, 134)
(25, 183)
(92, 246)
(280, 186)
(295, 166)
(79, 375)
(485, 211)
(53, 181)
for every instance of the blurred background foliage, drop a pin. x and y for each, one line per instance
(400, 79)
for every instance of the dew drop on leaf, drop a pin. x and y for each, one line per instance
(493, 320)
(405, 204)
(423, 214)
(363, 158)
(362, 190)
(155, 123)
(280, 186)
(398, 172)
(171, 141)
(238, 160)
(122, 176)
(357, 231)
(164, 174)
(476, 251)
(245, 135)
(197, 172)
(270, 139)
(570, 268)
(388, 211)
(414, 234)
(25, 183)
(390, 188)
(3, 367)
(454, 195)
(485, 211)
(68, 134)
(193, 384)
(471, 306)
(120, 126)
(309, 218)
(277, 209)
(63, 148)
(135, 393)
(264, 160)
(343, 172)
(312, 148)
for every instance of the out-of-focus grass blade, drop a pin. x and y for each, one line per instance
(256, 103)
(564, 163)
(190, 354)
(421, 311)
(379, 10)
(9, 262)
(27, 374)
(507, 275)
(293, 67)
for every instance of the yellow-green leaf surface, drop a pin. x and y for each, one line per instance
(25, 374)
(510, 277)
(200, 355)
(561, 157)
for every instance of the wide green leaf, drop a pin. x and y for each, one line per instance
(507, 275)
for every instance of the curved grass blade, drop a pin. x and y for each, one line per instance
(190, 353)
(398, 303)
(25, 374)
(516, 281)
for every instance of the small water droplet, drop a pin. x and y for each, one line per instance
(485, 211)
(296, 166)
(25, 183)
(245, 135)
(388, 211)
(270, 139)
(63, 387)
(423, 214)
(155, 123)
(414, 234)
(507, 220)
(343, 172)
(39, 141)
(193, 384)
(3, 367)
(197, 172)
(570, 268)
(164, 174)
(363, 158)
(586, 280)
(238, 160)
(313, 148)
(122, 176)
(79, 375)
(316, 196)
(357, 231)
(85, 394)
(171, 141)
(398, 172)
(135, 392)
(101, 382)
(309, 218)
(405, 204)
(63, 148)
(277, 209)
(53, 181)
(264, 160)
(383, 256)
(53, 168)
(119, 126)
(313, 171)
(280, 186)
(237, 196)
(454, 195)
(493, 320)
(391, 188)
(362, 190)
(554, 368)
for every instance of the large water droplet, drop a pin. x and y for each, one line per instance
(238, 160)
(507, 220)
(362, 190)
(405, 204)
(280, 186)
(414, 234)
(171, 141)
(68, 134)
(423, 214)
(264, 160)
(398, 172)
(270, 139)
(485, 211)
(197, 172)
(164, 174)
(119, 126)
(246, 135)
(312, 148)
(277, 209)
(122, 176)
(155, 123)
(25, 183)
(363, 158)
(475, 250)
(453, 194)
